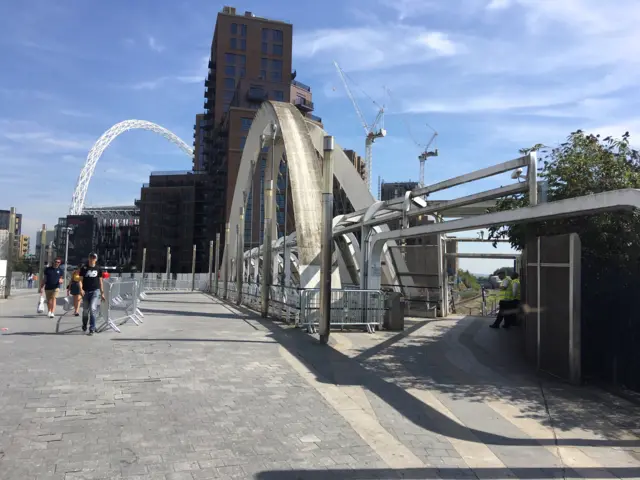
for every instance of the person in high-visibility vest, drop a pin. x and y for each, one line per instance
(511, 303)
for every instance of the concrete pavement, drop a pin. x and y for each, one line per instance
(206, 390)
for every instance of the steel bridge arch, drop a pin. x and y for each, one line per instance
(301, 140)
(82, 185)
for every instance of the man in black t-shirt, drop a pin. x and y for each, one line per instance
(52, 278)
(92, 291)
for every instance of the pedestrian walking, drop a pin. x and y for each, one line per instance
(30, 280)
(52, 278)
(92, 292)
(510, 305)
(75, 289)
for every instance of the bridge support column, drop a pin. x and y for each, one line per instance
(227, 258)
(326, 252)
(240, 255)
(216, 271)
(270, 174)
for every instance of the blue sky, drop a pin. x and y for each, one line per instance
(491, 76)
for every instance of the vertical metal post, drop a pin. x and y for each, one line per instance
(285, 278)
(440, 273)
(445, 281)
(268, 237)
(193, 268)
(50, 253)
(240, 255)
(43, 240)
(532, 178)
(210, 266)
(144, 261)
(227, 264)
(12, 252)
(216, 271)
(66, 252)
(168, 264)
(326, 251)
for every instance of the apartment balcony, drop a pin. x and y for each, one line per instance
(301, 85)
(303, 104)
(207, 83)
(208, 104)
(314, 118)
(257, 95)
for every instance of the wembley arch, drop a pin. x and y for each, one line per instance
(82, 185)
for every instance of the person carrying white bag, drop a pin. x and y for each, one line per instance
(52, 278)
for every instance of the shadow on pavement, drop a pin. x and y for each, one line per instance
(440, 473)
(333, 367)
(182, 313)
(221, 340)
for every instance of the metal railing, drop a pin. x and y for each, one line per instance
(122, 304)
(301, 307)
(349, 308)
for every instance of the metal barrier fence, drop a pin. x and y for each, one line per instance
(122, 304)
(349, 308)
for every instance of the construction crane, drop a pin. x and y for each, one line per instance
(372, 131)
(426, 153)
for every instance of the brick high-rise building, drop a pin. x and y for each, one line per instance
(4, 225)
(251, 61)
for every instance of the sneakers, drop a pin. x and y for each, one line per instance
(91, 332)
(51, 315)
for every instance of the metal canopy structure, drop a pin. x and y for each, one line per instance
(82, 185)
(115, 212)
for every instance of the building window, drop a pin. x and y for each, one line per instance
(243, 140)
(277, 49)
(278, 95)
(230, 70)
(265, 47)
(229, 83)
(233, 44)
(234, 29)
(242, 72)
(277, 35)
(228, 95)
(264, 63)
(265, 34)
(242, 60)
(243, 44)
(263, 74)
(243, 30)
(276, 76)
(246, 124)
(229, 58)
(276, 65)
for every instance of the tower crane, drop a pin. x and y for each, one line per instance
(372, 131)
(426, 153)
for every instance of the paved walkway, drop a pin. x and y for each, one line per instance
(205, 390)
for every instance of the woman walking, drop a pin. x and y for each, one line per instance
(74, 289)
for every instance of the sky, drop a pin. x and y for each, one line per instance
(491, 76)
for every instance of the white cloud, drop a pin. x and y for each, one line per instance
(30, 137)
(154, 45)
(367, 48)
(75, 113)
(498, 4)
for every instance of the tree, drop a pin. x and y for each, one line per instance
(584, 164)
(508, 271)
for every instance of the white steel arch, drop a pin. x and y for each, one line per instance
(82, 186)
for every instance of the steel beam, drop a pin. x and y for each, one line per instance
(627, 199)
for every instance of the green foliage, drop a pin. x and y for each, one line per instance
(507, 270)
(585, 164)
(468, 280)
